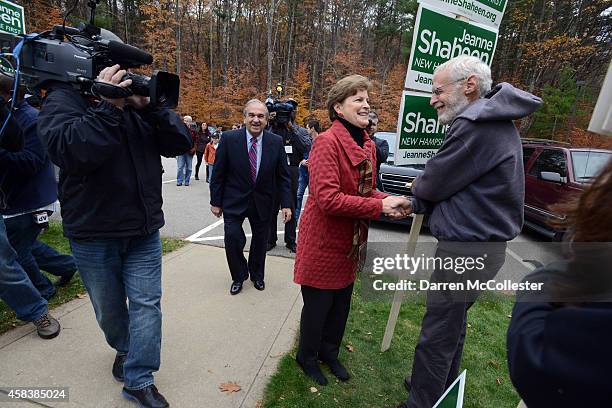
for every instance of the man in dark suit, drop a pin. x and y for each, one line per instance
(250, 171)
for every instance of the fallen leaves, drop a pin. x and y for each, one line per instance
(350, 348)
(498, 381)
(230, 386)
(81, 295)
(313, 389)
(494, 363)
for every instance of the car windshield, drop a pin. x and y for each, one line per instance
(588, 163)
(390, 138)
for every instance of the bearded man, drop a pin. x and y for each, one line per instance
(473, 191)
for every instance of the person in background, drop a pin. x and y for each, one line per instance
(313, 128)
(250, 170)
(296, 142)
(33, 192)
(48, 259)
(219, 131)
(334, 226)
(202, 139)
(16, 288)
(558, 340)
(184, 162)
(382, 146)
(209, 155)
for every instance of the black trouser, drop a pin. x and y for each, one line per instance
(290, 226)
(235, 240)
(323, 321)
(437, 356)
(199, 162)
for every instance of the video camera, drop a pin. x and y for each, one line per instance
(282, 110)
(77, 55)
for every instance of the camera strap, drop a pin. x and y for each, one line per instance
(109, 90)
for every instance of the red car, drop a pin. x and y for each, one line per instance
(554, 172)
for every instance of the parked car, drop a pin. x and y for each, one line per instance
(554, 173)
(396, 180)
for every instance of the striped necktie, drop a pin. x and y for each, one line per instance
(253, 158)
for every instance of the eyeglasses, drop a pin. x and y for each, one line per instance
(438, 91)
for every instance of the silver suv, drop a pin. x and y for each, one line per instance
(396, 180)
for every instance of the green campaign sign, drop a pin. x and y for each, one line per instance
(453, 397)
(438, 38)
(420, 135)
(487, 12)
(12, 19)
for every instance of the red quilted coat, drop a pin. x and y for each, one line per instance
(327, 223)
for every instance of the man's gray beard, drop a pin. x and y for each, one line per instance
(456, 103)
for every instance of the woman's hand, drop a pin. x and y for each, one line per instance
(396, 207)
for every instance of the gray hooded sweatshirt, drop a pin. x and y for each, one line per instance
(474, 187)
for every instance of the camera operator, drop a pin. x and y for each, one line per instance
(296, 142)
(34, 194)
(16, 289)
(108, 153)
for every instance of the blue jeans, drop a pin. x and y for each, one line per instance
(22, 232)
(183, 168)
(114, 270)
(302, 184)
(16, 289)
(48, 259)
(210, 170)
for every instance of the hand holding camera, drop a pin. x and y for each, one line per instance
(113, 75)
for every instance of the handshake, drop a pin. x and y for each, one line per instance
(397, 207)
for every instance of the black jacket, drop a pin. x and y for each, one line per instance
(382, 151)
(30, 182)
(231, 187)
(559, 354)
(109, 160)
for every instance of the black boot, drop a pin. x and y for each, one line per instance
(337, 369)
(312, 370)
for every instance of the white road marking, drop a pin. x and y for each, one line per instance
(170, 181)
(221, 237)
(196, 237)
(520, 260)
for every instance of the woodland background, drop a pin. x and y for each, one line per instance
(228, 51)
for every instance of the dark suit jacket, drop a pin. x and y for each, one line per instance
(231, 187)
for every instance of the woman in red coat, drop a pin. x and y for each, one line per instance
(334, 225)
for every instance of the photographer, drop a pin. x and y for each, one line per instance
(296, 141)
(108, 153)
(16, 289)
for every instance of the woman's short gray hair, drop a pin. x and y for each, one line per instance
(463, 66)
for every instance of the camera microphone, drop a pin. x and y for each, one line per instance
(128, 56)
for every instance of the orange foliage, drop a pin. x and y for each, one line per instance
(299, 91)
(583, 138)
(160, 24)
(40, 15)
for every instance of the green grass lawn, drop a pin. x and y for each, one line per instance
(377, 378)
(54, 237)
